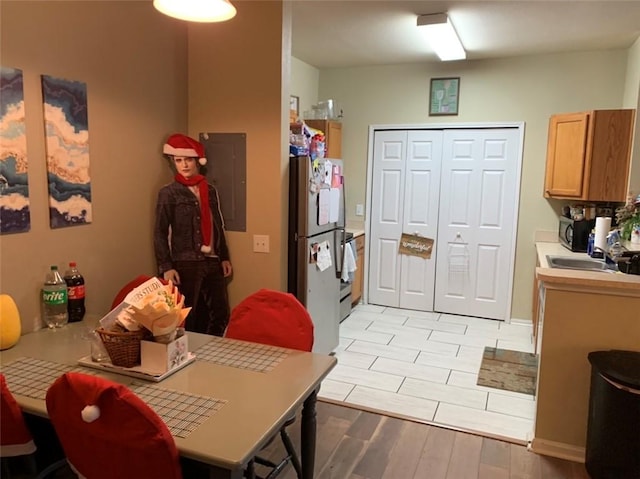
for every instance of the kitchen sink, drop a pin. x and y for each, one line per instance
(583, 264)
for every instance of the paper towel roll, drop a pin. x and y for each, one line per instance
(603, 225)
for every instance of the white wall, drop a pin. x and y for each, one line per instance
(249, 100)
(632, 100)
(528, 89)
(305, 80)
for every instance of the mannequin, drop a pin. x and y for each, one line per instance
(189, 238)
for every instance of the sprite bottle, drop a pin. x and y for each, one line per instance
(54, 300)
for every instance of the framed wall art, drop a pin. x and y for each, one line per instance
(444, 96)
(67, 146)
(15, 213)
(294, 104)
(294, 108)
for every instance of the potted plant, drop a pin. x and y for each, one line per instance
(628, 218)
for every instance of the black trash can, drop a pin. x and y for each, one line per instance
(613, 429)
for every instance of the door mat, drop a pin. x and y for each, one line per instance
(508, 370)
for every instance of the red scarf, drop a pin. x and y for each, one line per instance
(205, 211)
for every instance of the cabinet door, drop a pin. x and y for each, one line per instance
(334, 142)
(535, 305)
(332, 135)
(566, 152)
(609, 147)
(540, 319)
(356, 286)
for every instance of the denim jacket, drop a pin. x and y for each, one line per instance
(178, 211)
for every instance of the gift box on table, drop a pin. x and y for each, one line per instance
(151, 313)
(163, 357)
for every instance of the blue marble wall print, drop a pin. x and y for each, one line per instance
(67, 146)
(15, 214)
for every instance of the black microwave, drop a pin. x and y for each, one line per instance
(574, 234)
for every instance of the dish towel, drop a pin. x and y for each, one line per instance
(349, 263)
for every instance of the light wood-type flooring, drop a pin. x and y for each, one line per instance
(356, 444)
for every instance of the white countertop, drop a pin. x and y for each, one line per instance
(554, 249)
(595, 282)
(355, 231)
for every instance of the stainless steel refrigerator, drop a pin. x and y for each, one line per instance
(316, 233)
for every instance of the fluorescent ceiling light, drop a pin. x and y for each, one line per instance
(197, 10)
(442, 36)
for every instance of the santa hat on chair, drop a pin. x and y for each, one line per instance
(183, 145)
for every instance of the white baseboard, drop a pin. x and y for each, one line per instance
(557, 449)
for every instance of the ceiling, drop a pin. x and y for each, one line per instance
(344, 33)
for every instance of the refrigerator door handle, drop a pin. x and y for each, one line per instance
(343, 231)
(339, 263)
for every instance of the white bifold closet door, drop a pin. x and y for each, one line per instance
(459, 187)
(476, 227)
(406, 188)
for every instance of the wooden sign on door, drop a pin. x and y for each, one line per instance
(415, 245)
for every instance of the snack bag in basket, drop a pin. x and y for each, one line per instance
(153, 305)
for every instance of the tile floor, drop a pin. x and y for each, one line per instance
(424, 366)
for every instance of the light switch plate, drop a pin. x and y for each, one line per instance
(359, 210)
(261, 243)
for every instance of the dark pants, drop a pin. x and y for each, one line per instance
(205, 290)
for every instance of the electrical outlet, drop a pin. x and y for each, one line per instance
(359, 210)
(261, 243)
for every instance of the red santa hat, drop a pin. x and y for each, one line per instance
(15, 438)
(82, 407)
(183, 145)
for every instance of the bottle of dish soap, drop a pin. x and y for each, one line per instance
(590, 242)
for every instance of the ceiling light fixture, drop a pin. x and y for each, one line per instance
(204, 11)
(442, 36)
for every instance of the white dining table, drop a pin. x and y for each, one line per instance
(246, 404)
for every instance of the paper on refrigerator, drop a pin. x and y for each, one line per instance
(323, 259)
(334, 204)
(336, 177)
(324, 206)
(328, 172)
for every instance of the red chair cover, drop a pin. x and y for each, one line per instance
(127, 439)
(15, 438)
(127, 288)
(274, 318)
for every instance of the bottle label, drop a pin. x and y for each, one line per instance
(54, 297)
(76, 292)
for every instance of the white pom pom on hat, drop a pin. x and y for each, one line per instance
(183, 145)
(90, 413)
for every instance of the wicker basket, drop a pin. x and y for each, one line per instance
(123, 347)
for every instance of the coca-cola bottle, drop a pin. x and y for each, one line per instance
(75, 292)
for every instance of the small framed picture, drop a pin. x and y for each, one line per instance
(444, 96)
(294, 104)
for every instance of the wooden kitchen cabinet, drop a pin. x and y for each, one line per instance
(332, 135)
(580, 312)
(538, 319)
(588, 155)
(358, 278)
(535, 306)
